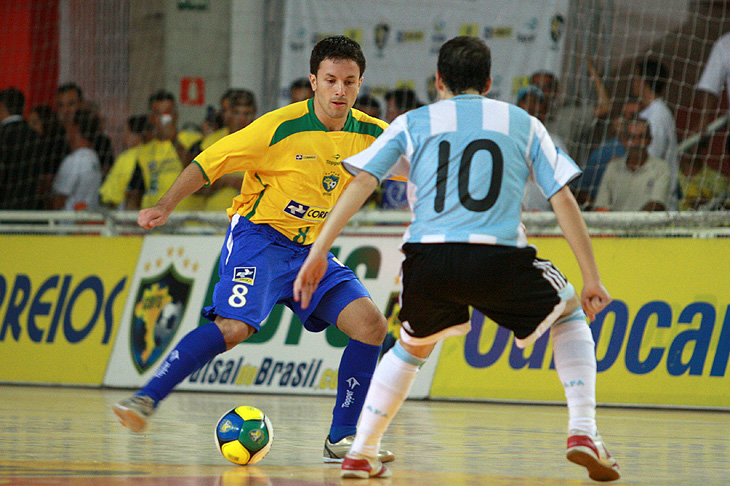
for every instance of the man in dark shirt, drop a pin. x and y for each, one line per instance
(21, 163)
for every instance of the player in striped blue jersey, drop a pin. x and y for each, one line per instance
(468, 159)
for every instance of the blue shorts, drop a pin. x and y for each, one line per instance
(257, 269)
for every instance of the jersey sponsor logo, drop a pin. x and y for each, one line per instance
(330, 181)
(305, 157)
(244, 274)
(307, 213)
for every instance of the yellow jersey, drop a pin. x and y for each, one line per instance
(160, 165)
(293, 166)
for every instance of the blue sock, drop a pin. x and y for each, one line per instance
(194, 350)
(353, 380)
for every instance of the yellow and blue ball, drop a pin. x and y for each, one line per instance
(244, 435)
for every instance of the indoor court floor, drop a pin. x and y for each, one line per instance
(69, 436)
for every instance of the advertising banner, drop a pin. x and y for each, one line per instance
(174, 280)
(61, 299)
(401, 39)
(664, 340)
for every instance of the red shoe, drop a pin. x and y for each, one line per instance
(590, 452)
(362, 467)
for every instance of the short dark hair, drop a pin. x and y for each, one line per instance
(300, 83)
(68, 87)
(160, 95)
(243, 97)
(653, 73)
(337, 47)
(368, 101)
(553, 77)
(87, 122)
(465, 63)
(232, 92)
(405, 98)
(13, 99)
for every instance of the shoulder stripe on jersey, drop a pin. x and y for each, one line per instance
(495, 116)
(442, 117)
(354, 125)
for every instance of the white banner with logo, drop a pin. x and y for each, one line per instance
(401, 39)
(174, 280)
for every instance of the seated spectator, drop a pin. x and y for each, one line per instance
(637, 181)
(533, 101)
(76, 185)
(212, 122)
(399, 101)
(586, 186)
(701, 186)
(647, 83)
(245, 102)
(393, 194)
(46, 124)
(70, 98)
(569, 121)
(22, 169)
(44, 121)
(300, 90)
(368, 104)
(114, 188)
(218, 196)
(161, 160)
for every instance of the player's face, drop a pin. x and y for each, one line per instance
(336, 87)
(241, 116)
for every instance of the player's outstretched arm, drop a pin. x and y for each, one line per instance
(594, 297)
(315, 265)
(190, 180)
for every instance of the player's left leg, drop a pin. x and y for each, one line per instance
(366, 326)
(575, 361)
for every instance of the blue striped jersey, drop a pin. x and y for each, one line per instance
(467, 160)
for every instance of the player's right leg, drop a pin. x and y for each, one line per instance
(425, 321)
(389, 388)
(194, 350)
(242, 298)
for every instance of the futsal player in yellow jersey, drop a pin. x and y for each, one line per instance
(292, 158)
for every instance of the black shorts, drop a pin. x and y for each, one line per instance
(510, 285)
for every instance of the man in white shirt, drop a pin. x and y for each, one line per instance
(647, 84)
(77, 182)
(637, 181)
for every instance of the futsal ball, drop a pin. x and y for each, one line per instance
(244, 435)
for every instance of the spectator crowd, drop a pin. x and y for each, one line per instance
(58, 157)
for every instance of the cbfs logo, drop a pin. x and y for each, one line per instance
(330, 181)
(158, 311)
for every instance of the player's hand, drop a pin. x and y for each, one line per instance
(594, 299)
(152, 217)
(311, 272)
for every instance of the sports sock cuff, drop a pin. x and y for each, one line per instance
(576, 315)
(404, 355)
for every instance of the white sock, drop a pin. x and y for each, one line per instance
(575, 360)
(389, 388)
